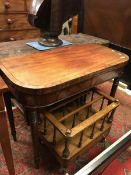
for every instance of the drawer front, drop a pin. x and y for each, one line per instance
(18, 35)
(17, 21)
(12, 5)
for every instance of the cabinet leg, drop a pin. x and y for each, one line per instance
(35, 139)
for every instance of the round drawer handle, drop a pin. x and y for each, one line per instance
(7, 5)
(9, 21)
(12, 39)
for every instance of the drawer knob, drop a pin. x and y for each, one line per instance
(7, 5)
(9, 21)
(12, 39)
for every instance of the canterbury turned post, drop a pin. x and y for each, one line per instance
(40, 79)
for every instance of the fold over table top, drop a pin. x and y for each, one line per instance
(57, 69)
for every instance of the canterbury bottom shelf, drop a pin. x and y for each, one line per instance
(77, 124)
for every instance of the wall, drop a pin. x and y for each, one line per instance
(109, 19)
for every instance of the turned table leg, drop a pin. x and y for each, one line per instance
(35, 139)
(114, 86)
(4, 138)
(113, 93)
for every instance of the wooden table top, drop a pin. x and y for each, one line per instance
(60, 67)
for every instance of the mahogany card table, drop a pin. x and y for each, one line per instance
(40, 79)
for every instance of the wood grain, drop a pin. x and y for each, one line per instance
(61, 69)
(60, 66)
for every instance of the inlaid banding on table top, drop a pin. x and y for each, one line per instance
(61, 66)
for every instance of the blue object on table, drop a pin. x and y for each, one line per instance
(39, 47)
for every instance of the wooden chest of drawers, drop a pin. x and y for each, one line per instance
(13, 21)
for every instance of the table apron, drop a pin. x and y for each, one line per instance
(42, 100)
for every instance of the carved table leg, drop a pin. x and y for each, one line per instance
(35, 139)
(4, 139)
(8, 105)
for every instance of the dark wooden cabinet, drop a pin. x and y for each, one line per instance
(13, 21)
